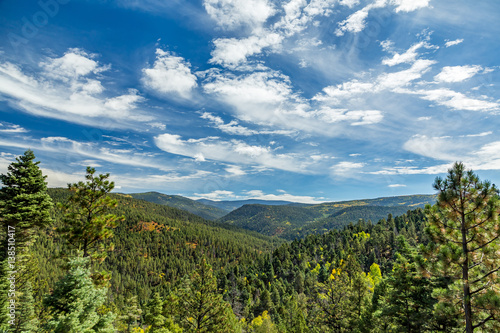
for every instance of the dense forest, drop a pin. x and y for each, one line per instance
(83, 259)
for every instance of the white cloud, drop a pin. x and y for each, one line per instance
(344, 91)
(219, 195)
(405, 77)
(267, 99)
(409, 5)
(260, 195)
(234, 151)
(485, 157)
(235, 170)
(68, 147)
(12, 128)
(216, 195)
(356, 22)
(457, 73)
(349, 3)
(396, 185)
(439, 148)
(230, 128)
(65, 89)
(456, 100)
(356, 118)
(232, 14)
(394, 81)
(408, 57)
(479, 134)
(170, 75)
(346, 169)
(232, 52)
(233, 128)
(74, 64)
(453, 42)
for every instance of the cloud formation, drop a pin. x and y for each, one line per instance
(170, 74)
(67, 88)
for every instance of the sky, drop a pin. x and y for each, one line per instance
(300, 100)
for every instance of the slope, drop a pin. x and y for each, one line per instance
(155, 246)
(232, 205)
(207, 211)
(290, 221)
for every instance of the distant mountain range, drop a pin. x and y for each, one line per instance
(206, 211)
(290, 219)
(291, 222)
(229, 206)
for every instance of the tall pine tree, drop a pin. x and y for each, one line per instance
(200, 306)
(24, 208)
(87, 223)
(464, 230)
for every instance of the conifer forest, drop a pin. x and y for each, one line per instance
(89, 259)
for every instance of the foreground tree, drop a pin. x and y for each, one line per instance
(408, 300)
(24, 208)
(464, 230)
(24, 202)
(74, 304)
(200, 307)
(334, 300)
(87, 221)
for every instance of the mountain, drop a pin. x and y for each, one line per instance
(207, 211)
(289, 221)
(154, 247)
(232, 205)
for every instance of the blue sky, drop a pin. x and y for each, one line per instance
(301, 100)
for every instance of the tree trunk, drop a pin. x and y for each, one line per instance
(465, 279)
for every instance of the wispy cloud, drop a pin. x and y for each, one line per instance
(453, 42)
(452, 74)
(233, 151)
(67, 88)
(220, 195)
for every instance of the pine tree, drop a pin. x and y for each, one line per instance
(333, 300)
(24, 208)
(200, 306)
(132, 314)
(24, 202)
(156, 317)
(27, 320)
(408, 300)
(87, 221)
(75, 301)
(464, 230)
(4, 291)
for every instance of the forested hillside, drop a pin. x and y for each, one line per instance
(156, 245)
(204, 210)
(290, 222)
(86, 260)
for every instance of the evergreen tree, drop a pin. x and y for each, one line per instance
(24, 202)
(75, 301)
(408, 301)
(156, 317)
(87, 221)
(333, 299)
(4, 291)
(200, 306)
(464, 230)
(24, 208)
(132, 314)
(27, 320)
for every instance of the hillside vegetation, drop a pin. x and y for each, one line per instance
(290, 222)
(206, 211)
